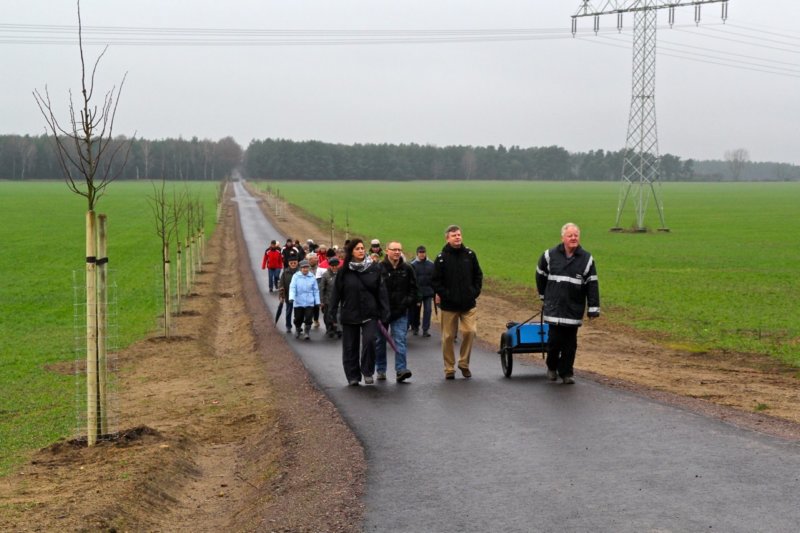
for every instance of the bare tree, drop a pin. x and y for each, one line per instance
(86, 154)
(737, 159)
(166, 215)
(189, 243)
(200, 217)
(177, 210)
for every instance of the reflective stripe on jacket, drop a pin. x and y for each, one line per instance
(567, 285)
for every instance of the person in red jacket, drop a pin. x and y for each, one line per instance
(273, 262)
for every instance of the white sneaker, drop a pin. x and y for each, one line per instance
(552, 375)
(368, 380)
(568, 380)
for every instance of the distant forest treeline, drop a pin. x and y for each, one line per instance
(315, 160)
(32, 157)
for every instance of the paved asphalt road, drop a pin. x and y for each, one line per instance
(525, 454)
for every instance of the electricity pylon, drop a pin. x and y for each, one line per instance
(641, 159)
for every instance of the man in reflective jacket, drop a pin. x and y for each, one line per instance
(566, 278)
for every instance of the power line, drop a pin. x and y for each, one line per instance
(137, 36)
(747, 43)
(795, 37)
(41, 34)
(723, 62)
(734, 54)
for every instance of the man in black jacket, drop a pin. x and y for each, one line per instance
(566, 278)
(401, 284)
(423, 268)
(457, 281)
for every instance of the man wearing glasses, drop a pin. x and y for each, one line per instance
(401, 284)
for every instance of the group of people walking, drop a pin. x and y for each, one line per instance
(369, 298)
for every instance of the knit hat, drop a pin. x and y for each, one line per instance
(304, 263)
(333, 261)
(375, 241)
(421, 248)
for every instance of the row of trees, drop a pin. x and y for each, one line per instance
(35, 157)
(286, 159)
(177, 214)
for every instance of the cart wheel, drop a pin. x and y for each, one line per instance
(506, 357)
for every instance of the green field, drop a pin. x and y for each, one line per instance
(724, 277)
(42, 238)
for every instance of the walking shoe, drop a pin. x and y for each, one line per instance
(316, 324)
(426, 334)
(381, 376)
(450, 375)
(353, 383)
(288, 330)
(307, 336)
(368, 380)
(465, 372)
(552, 375)
(568, 380)
(415, 332)
(403, 375)
(297, 335)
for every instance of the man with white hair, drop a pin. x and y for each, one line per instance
(566, 278)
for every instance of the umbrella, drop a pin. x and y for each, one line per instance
(386, 336)
(279, 311)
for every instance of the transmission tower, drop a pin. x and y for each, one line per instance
(641, 159)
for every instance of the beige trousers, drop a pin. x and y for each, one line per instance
(450, 325)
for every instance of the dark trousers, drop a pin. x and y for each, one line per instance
(561, 347)
(288, 306)
(358, 357)
(413, 314)
(331, 323)
(302, 315)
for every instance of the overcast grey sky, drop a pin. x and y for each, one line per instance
(719, 87)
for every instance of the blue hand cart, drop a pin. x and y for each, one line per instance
(525, 337)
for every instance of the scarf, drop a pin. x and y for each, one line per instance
(360, 267)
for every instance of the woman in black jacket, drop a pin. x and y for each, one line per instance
(361, 292)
